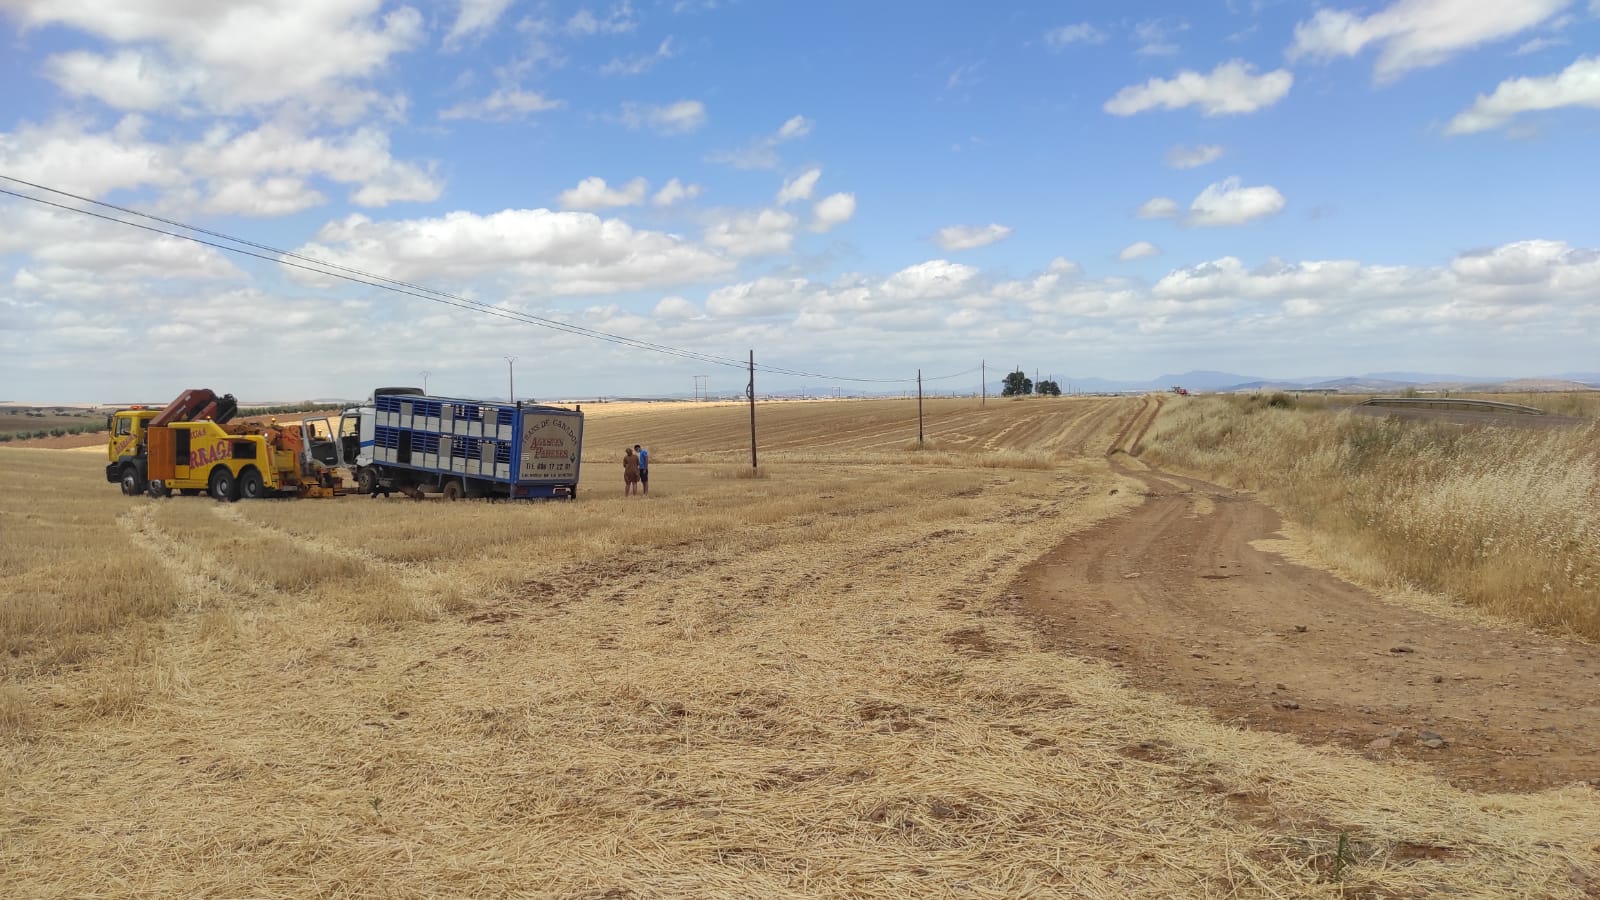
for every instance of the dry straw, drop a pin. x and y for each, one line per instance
(809, 685)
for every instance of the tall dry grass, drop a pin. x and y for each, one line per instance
(1503, 518)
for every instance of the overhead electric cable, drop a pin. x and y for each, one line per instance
(382, 282)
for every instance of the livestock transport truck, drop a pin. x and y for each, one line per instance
(413, 443)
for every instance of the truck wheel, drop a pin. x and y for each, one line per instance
(366, 481)
(250, 486)
(132, 484)
(223, 487)
(452, 491)
(158, 491)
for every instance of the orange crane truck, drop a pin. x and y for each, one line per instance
(192, 445)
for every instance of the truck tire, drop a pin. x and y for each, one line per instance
(132, 484)
(366, 481)
(251, 486)
(223, 488)
(453, 491)
(158, 491)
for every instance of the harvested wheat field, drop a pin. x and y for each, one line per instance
(841, 678)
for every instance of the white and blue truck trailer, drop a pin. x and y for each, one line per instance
(416, 444)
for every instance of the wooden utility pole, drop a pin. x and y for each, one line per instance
(919, 407)
(750, 392)
(983, 386)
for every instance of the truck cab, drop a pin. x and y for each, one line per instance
(127, 461)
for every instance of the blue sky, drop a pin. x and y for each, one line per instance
(1274, 188)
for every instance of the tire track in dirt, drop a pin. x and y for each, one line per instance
(1137, 447)
(1120, 442)
(1087, 427)
(187, 565)
(1175, 594)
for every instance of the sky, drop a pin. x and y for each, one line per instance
(852, 191)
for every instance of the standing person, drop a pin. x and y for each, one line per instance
(630, 472)
(644, 468)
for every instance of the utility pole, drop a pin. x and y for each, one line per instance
(750, 391)
(983, 386)
(511, 379)
(702, 387)
(919, 407)
(424, 380)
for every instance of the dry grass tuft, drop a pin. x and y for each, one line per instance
(742, 472)
(1501, 518)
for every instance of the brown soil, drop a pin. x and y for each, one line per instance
(1175, 595)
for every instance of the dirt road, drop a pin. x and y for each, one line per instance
(1176, 595)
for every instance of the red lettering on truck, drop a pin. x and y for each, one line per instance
(205, 456)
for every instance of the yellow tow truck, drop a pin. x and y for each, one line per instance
(191, 446)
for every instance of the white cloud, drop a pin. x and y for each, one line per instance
(682, 117)
(1536, 44)
(1529, 303)
(475, 18)
(1138, 250)
(794, 127)
(962, 74)
(674, 192)
(1181, 157)
(1416, 34)
(676, 308)
(800, 187)
(1523, 263)
(1158, 208)
(503, 105)
(72, 253)
(762, 297)
(526, 252)
(271, 196)
(762, 153)
(1227, 203)
(832, 211)
(1232, 88)
(753, 234)
(933, 279)
(63, 155)
(619, 20)
(1154, 36)
(358, 158)
(1576, 85)
(594, 193)
(400, 183)
(1066, 35)
(638, 65)
(128, 79)
(969, 237)
(225, 57)
(264, 171)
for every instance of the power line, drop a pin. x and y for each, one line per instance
(382, 282)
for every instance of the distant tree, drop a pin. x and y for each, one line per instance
(1017, 384)
(1047, 389)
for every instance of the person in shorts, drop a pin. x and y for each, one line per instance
(630, 471)
(644, 467)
